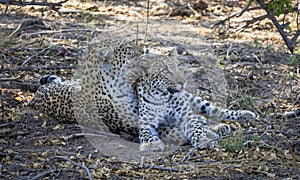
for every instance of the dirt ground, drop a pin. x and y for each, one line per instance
(253, 64)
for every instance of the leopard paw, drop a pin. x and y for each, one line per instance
(153, 146)
(245, 115)
(204, 143)
(221, 129)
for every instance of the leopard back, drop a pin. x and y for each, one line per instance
(104, 85)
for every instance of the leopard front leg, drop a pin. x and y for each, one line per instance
(202, 106)
(186, 126)
(150, 117)
(149, 122)
(198, 135)
(150, 140)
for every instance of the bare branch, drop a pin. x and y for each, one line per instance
(278, 26)
(43, 174)
(289, 114)
(6, 8)
(66, 138)
(238, 14)
(152, 166)
(31, 68)
(75, 30)
(24, 3)
(195, 148)
(252, 21)
(76, 164)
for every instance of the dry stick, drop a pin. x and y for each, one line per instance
(147, 21)
(152, 166)
(294, 159)
(10, 79)
(35, 55)
(66, 138)
(277, 132)
(195, 12)
(297, 99)
(24, 3)
(43, 174)
(6, 8)
(76, 164)
(247, 8)
(264, 133)
(72, 30)
(295, 37)
(238, 14)
(192, 150)
(30, 68)
(289, 114)
(7, 124)
(20, 85)
(231, 167)
(298, 13)
(228, 51)
(252, 21)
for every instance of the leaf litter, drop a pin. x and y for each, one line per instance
(258, 72)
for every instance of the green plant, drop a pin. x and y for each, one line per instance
(256, 43)
(269, 47)
(233, 144)
(88, 17)
(293, 60)
(255, 137)
(226, 160)
(280, 6)
(246, 101)
(220, 62)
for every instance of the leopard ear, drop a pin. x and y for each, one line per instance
(49, 79)
(178, 51)
(143, 64)
(138, 69)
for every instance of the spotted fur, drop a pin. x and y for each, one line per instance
(124, 90)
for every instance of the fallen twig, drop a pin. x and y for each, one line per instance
(7, 125)
(66, 138)
(10, 86)
(195, 12)
(24, 3)
(195, 148)
(238, 14)
(9, 79)
(228, 51)
(44, 174)
(230, 166)
(264, 133)
(35, 55)
(76, 164)
(75, 30)
(152, 166)
(277, 132)
(289, 114)
(31, 68)
(252, 21)
(294, 159)
(6, 8)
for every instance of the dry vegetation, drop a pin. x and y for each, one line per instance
(261, 76)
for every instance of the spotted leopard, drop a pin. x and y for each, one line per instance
(152, 106)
